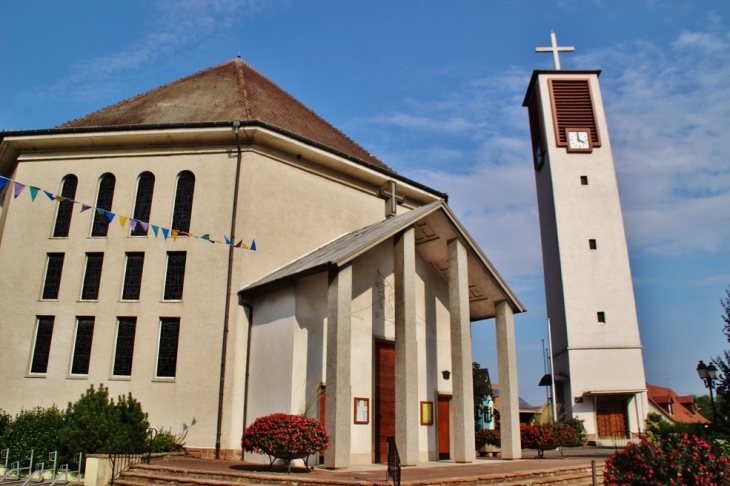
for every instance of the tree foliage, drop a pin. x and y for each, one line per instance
(34, 430)
(482, 390)
(722, 405)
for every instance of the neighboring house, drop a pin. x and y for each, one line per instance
(672, 407)
(491, 417)
(122, 273)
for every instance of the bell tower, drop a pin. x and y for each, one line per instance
(596, 347)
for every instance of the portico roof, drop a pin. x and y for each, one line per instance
(435, 225)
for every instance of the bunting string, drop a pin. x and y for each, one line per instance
(124, 221)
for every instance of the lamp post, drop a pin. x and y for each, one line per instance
(708, 374)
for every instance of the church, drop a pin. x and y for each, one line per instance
(220, 251)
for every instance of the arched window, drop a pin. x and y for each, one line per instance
(66, 207)
(143, 202)
(103, 201)
(183, 202)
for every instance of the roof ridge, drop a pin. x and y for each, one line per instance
(146, 93)
(242, 93)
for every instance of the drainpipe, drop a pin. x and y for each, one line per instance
(226, 315)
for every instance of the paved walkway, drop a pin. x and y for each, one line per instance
(442, 471)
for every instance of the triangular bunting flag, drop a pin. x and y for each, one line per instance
(217, 241)
(3, 181)
(165, 232)
(110, 216)
(33, 192)
(155, 229)
(253, 245)
(85, 207)
(100, 211)
(238, 245)
(205, 237)
(174, 234)
(228, 242)
(133, 224)
(50, 196)
(60, 198)
(19, 188)
(122, 221)
(145, 226)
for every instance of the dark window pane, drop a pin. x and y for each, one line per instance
(175, 275)
(82, 348)
(65, 208)
(167, 355)
(143, 204)
(125, 346)
(103, 201)
(133, 276)
(42, 347)
(53, 276)
(92, 277)
(183, 202)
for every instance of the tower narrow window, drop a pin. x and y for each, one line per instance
(82, 346)
(183, 202)
(143, 202)
(92, 276)
(103, 201)
(42, 346)
(133, 276)
(601, 317)
(124, 350)
(167, 352)
(54, 268)
(584, 180)
(592, 244)
(175, 275)
(65, 207)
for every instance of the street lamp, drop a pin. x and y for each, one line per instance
(708, 374)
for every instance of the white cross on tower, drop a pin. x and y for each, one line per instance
(555, 49)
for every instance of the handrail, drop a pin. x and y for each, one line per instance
(123, 455)
(393, 462)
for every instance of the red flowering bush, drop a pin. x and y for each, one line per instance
(280, 432)
(678, 459)
(487, 437)
(540, 436)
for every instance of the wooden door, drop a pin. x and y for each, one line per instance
(611, 418)
(384, 407)
(444, 432)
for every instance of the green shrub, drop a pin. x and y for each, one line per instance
(36, 429)
(5, 419)
(577, 436)
(166, 441)
(658, 429)
(280, 432)
(96, 424)
(679, 459)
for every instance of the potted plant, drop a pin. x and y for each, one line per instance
(487, 441)
(285, 436)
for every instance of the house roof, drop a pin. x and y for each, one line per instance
(435, 226)
(524, 406)
(229, 91)
(682, 409)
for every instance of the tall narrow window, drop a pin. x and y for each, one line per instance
(82, 347)
(167, 353)
(92, 276)
(133, 276)
(42, 346)
(143, 202)
(65, 207)
(126, 328)
(183, 202)
(175, 277)
(103, 201)
(54, 267)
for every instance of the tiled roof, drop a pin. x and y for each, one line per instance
(682, 408)
(524, 406)
(229, 91)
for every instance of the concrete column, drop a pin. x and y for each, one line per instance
(508, 390)
(407, 419)
(339, 404)
(462, 403)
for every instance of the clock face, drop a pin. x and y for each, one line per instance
(579, 140)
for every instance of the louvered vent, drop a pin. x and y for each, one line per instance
(572, 107)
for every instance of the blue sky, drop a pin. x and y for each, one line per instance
(434, 89)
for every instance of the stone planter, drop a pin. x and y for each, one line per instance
(488, 450)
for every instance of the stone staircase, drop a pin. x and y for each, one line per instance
(160, 475)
